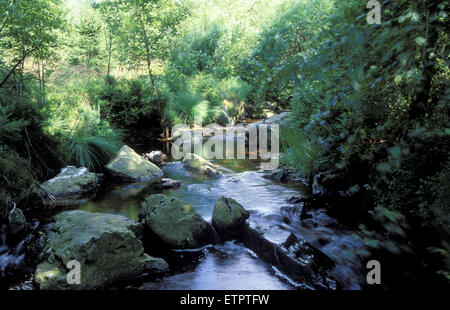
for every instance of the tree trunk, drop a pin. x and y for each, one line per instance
(109, 54)
(419, 103)
(147, 51)
(5, 79)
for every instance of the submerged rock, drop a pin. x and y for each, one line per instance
(72, 182)
(106, 246)
(175, 223)
(167, 183)
(228, 218)
(296, 258)
(128, 166)
(199, 164)
(156, 157)
(282, 175)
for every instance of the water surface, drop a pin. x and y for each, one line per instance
(231, 266)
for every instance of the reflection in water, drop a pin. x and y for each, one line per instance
(228, 266)
(264, 199)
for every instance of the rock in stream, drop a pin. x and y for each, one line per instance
(128, 166)
(106, 246)
(72, 182)
(199, 164)
(175, 223)
(294, 257)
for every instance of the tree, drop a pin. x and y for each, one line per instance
(111, 15)
(150, 23)
(28, 29)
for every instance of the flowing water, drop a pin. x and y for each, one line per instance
(232, 266)
(12, 256)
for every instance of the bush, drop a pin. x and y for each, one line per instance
(124, 102)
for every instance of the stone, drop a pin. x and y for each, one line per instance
(228, 217)
(17, 224)
(72, 182)
(128, 166)
(175, 223)
(199, 164)
(296, 258)
(156, 157)
(281, 119)
(167, 183)
(106, 246)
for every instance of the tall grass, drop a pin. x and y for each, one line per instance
(300, 152)
(93, 150)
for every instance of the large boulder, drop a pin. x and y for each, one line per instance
(175, 223)
(199, 164)
(72, 182)
(106, 246)
(128, 166)
(228, 218)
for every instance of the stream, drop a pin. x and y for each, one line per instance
(230, 265)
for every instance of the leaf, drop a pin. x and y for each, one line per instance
(420, 41)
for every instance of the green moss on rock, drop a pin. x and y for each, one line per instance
(72, 182)
(128, 166)
(228, 217)
(199, 164)
(176, 223)
(106, 246)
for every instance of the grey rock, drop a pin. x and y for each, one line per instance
(175, 223)
(128, 166)
(106, 246)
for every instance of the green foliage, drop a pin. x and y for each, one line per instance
(370, 103)
(300, 152)
(85, 46)
(92, 150)
(123, 102)
(180, 107)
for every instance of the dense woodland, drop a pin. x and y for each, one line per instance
(369, 103)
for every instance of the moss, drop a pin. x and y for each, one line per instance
(128, 166)
(175, 222)
(201, 165)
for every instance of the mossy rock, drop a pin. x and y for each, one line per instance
(128, 166)
(228, 217)
(201, 165)
(175, 223)
(106, 246)
(72, 182)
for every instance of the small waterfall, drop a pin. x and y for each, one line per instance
(11, 256)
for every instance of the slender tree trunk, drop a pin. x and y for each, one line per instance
(5, 79)
(419, 103)
(109, 54)
(43, 83)
(4, 24)
(149, 63)
(147, 51)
